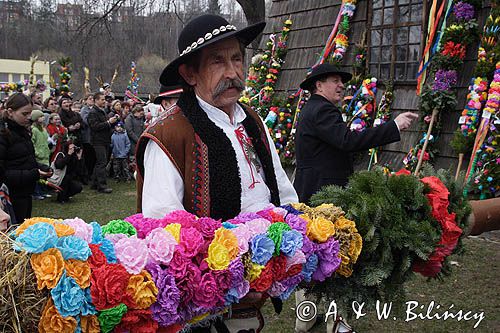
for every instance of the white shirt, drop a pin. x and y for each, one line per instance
(163, 188)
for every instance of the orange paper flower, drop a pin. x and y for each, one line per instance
(78, 270)
(34, 220)
(142, 289)
(63, 230)
(228, 239)
(89, 324)
(319, 229)
(52, 322)
(48, 267)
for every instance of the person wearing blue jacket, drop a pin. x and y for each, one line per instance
(120, 146)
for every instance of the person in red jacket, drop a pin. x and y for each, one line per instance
(57, 133)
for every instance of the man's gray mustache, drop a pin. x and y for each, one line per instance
(227, 84)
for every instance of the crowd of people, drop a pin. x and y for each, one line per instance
(53, 147)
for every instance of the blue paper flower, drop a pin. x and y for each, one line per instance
(37, 238)
(87, 306)
(291, 242)
(291, 210)
(287, 293)
(68, 296)
(73, 247)
(229, 225)
(262, 249)
(78, 328)
(97, 236)
(310, 267)
(108, 249)
(231, 297)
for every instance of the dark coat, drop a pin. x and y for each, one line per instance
(100, 129)
(324, 143)
(134, 127)
(69, 118)
(18, 166)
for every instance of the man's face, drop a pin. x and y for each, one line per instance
(65, 104)
(100, 101)
(90, 101)
(219, 79)
(332, 89)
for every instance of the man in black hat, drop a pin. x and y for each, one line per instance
(323, 141)
(209, 155)
(168, 96)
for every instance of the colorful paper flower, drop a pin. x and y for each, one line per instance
(78, 270)
(119, 227)
(48, 267)
(51, 320)
(132, 253)
(82, 229)
(262, 248)
(73, 247)
(68, 297)
(37, 238)
(161, 245)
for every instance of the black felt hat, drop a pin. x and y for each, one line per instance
(168, 92)
(322, 71)
(200, 32)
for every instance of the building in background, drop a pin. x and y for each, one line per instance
(14, 71)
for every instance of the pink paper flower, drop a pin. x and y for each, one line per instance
(258, 226)
(83, 230)
(114, 238)
(132, 253)
(161, 245)
(144, 225)
(298, 258)
(191, 242)
(182, 217)
(243, 233)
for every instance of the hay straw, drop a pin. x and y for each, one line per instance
(21, 303)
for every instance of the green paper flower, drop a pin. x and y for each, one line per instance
(275, 232)
(109, 318)
(119, 227)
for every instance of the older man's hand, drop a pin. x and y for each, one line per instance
(405, 119)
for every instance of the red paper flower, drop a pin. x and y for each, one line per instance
(108, 284)
(426, 155)
(278, 267)
(98, 258)
(265, 279)
(403, 172)
(450, 231)
(454, 50)
(137, 321)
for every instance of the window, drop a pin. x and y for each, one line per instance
(394, 41)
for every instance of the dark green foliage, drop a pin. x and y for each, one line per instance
(461, 144)
(444, 101)
(441, 61)
(394, 219)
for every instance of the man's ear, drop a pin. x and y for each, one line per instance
(187, 74)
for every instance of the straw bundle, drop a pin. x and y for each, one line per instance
(21, 303)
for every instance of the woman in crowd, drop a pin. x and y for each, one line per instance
(134, 124)
(68, 162)
(7, 217)
(57, 132)
(18, 167)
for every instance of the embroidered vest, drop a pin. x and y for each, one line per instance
(205, 158)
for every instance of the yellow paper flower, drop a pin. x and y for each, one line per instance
(288, 22)
(31, 221)
(319, 229)
(89, 324)
(253, 271)
(175, 230)
(78, 270)
(355, 247)
(63, 229)
(48, 267)
(229, 240)
(52, 322)
(218, 256)
(142, 289)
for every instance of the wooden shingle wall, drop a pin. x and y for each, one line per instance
(313, 21)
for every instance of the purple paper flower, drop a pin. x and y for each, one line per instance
(296, 223)
(463, 11)
(444, 80)
(328, 257)
(237, 271)
(243, 218)
(164, 310)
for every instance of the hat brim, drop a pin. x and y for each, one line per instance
(308, 83)
(170, 75)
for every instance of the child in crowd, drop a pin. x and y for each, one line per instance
(120, 145)
(40, 139)
(57, 132)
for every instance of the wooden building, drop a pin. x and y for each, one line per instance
(395, 41)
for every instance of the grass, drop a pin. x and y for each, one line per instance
(473, 285)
